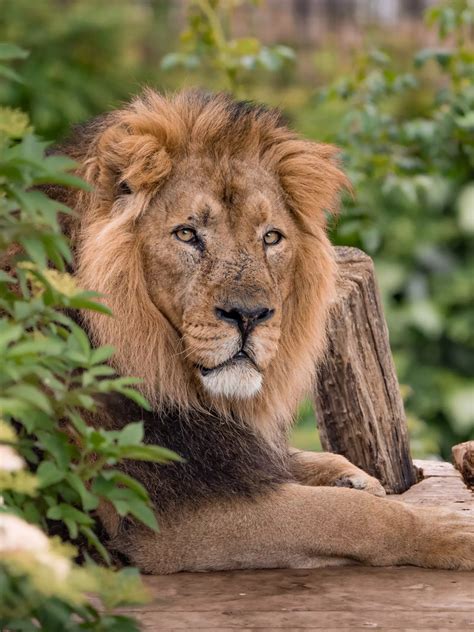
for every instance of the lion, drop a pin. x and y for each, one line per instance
(204, 231)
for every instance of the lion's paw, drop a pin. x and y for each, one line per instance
(447, 540)
(361, 481)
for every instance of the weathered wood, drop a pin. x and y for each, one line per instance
(339, 599)
(463, 457)
(358, 404)
(303, 617)
(428, 469)
(327, 599)
(442, 486)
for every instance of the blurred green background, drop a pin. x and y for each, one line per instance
(391, 83)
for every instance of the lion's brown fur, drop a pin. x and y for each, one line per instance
(142, 144)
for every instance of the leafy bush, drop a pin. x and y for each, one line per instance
(86, 56)
(208, 45)
(43, 589)
(54, 468)
(413, 209)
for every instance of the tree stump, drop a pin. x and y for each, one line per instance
(463, 457)
(359, 409)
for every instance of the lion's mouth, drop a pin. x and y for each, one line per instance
(238, 358)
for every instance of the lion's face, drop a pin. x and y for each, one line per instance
(218, 246)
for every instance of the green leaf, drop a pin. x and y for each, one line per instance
(48, 474)
(269, 59)
(48, 346)
(94, 541)
(32, 395)
(171, 60)
(78, 302)
(379, 57)
(137, 397)
(119, 478)
(11, 51)
(149, 453)
(10, 74)
(103, 485)
(35, 250)
(102, 354)
(442, 56)
(89, 501)
(58, 445)
(6, 278)
(79, 340)
(101, 370)
(139, 509)
(78, 423)
(31, 512)
(132, 434)
(67, 512)
(466, 121)
(71, 527)
(97, 439)
(9, 333)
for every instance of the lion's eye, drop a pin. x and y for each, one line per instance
(272, 238)
(186, 234)
(123, 188)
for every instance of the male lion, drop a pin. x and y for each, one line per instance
(205, 232)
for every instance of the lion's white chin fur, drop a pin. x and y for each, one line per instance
(235, 381)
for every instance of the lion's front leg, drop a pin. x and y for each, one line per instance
(296, 526)
(327, 469)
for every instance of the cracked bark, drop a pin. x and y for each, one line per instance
(357, 398)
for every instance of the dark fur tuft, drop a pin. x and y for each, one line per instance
(224, 459)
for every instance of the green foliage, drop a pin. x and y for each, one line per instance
(208, 45)
(54, 467)
(413, 209)
(85, 56)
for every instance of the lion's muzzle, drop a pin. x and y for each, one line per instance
(239, 375)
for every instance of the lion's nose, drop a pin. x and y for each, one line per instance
(245, 319)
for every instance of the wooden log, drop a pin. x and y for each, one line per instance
(463, 458)
(359, 409)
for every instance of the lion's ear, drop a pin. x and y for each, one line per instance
(311, 177)
(129, 162)
(114, 159)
